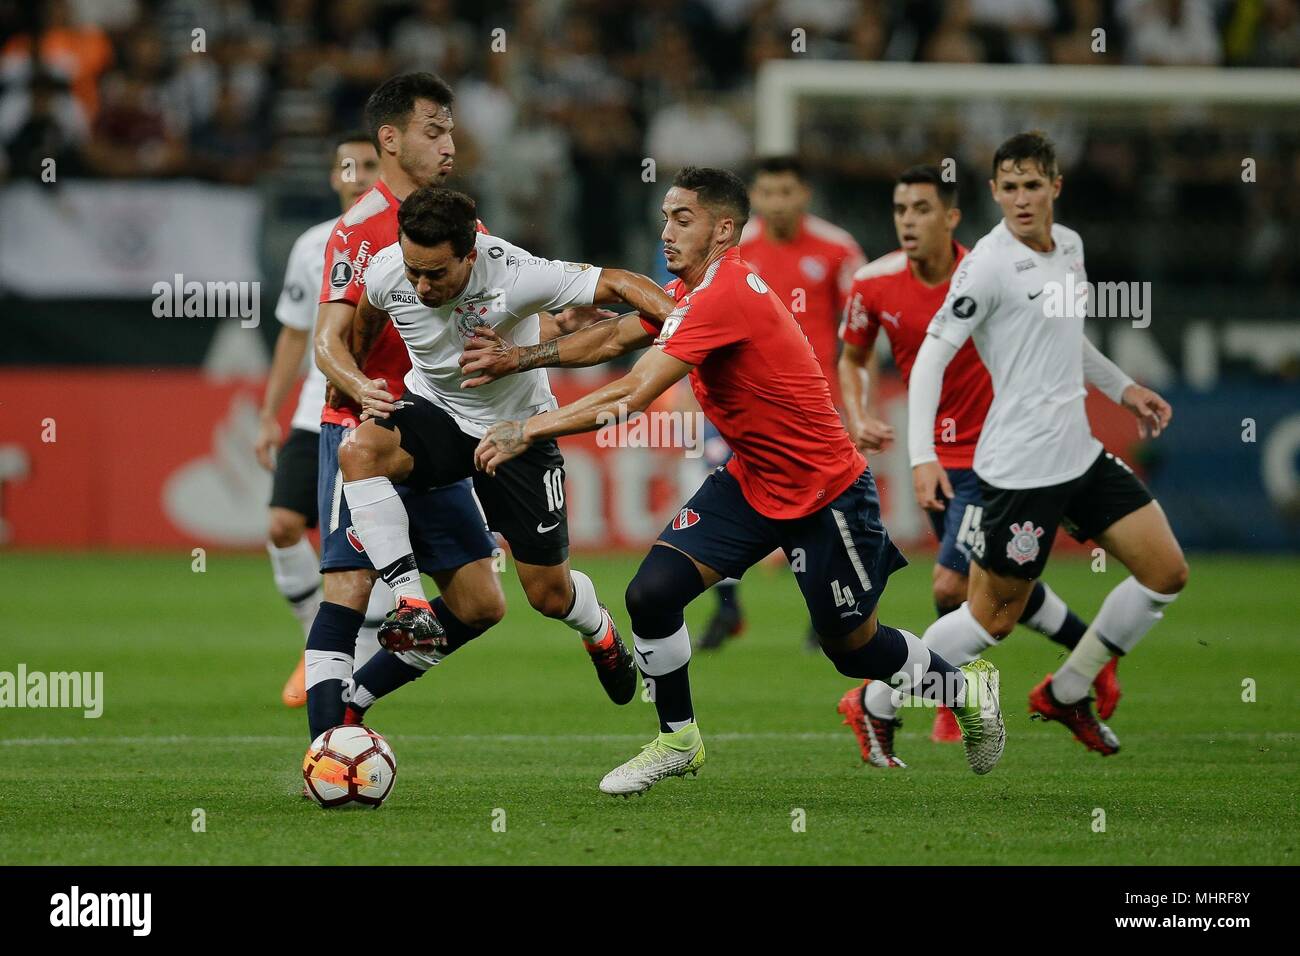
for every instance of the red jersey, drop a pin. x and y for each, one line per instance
(887, 295)
(757, 380)
(370, 225)
(812, 274)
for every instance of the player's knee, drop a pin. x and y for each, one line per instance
(1169, 578)
(486, 610)
(550, 597)
(286, 528)
(363, 456)
(949, 589)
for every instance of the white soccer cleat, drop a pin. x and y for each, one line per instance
(980, 717)
(668, 755)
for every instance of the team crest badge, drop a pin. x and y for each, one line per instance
(469, 319)
(1023, 546)
(685, 519)
(355, 541)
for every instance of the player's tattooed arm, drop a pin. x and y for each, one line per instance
(344, 335)
(488, 357)
(652, 375)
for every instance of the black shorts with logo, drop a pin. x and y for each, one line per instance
(1014, 532)
(524, 501)
(294, 484)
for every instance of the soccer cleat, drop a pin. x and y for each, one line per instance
(875, 736)
(945, 729)
(1106, 686)
(726, 622)
(294, 693)
(410, 626)
(980, 717)
(1085, 726)
(613, 662)
(668, 755)
(353, 716)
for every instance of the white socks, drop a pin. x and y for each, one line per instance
(297, 577)
(585, 616)
(381, 523)
(1050, 617)
(327, 665)
(1129, 611)
(883, 700)
(665, 655)
(958, 638)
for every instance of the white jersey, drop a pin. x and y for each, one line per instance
(507, 287)
(296, 309)
(1037, 432)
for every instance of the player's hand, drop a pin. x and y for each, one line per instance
(503, 441)
(487, 357)
(873, 435)
(268, 440)
(376, 401)
(1153, 412)
(580, 316)
(931, 484)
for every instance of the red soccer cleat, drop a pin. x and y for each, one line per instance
(875, 736)
(410, 626)
(1083, 723)
(945, 729)
(1106, 687)
(613, 662)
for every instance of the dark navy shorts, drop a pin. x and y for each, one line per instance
(294, 484)
(955, 526)
(841, 554)
(447, 526)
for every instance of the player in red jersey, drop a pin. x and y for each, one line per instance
(410, 117)
(809, 263)
(795, 481)
(899, 294)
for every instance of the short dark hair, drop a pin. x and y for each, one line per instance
(433, 215)
(1023, 147)
(393, 100)
(356, 135)
(929, 173)
(780, 164)
(719, 189)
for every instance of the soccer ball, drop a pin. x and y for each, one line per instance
(349, 766)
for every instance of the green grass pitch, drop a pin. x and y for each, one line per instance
(193, 664)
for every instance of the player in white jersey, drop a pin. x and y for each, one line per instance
(293, 506)
(1037, 460)
(440, 282)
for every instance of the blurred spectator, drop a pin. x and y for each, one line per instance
(79, 53)
(1264, 33)
(1171, 32)
(40, 122)
(433, 39)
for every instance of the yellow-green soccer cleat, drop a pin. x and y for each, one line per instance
(982, 731)
(668, 755)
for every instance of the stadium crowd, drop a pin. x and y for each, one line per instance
(564, 96)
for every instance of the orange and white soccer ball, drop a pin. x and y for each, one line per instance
(349, 766)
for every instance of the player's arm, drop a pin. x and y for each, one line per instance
(488, 357)
(1152, 412)
(923, 391)
(290, 347)
(344, 336)
(652, 375)
(859, 369)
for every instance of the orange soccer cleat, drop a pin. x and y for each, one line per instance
(295, 688)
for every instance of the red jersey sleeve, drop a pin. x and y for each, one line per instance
(346, 255)
(702, 323)
(861, 324)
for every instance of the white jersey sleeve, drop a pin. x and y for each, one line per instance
(296, 307)
(974, 293)
(548, 285)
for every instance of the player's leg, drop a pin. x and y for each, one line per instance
(330, 646)
(715, 535)
(728, 618)
(421, 445)
(1116, 510)
(847, 558)
(294, 564)
(525, 502)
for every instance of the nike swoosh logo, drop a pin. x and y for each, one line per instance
(551, 527)
(1035, 295)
